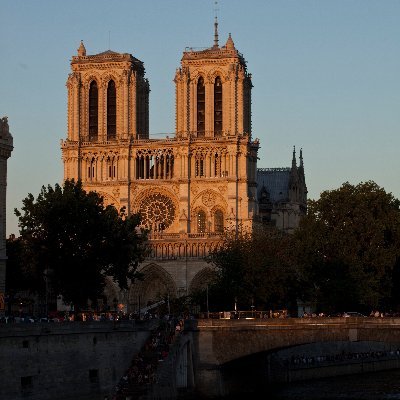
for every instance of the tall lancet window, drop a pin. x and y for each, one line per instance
(111, 111)
(218, 107)
(201, 107)
(93, 111)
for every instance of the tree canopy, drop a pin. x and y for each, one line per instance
(348, 247)
(255, 269)
(70, 238)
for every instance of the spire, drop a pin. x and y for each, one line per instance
(216, 33)
(294, 164)
(229, 43)
(301, 158)
(82, 50)
(216, 25)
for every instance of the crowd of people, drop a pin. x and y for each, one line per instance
(310, 361)
(87, 316)
(142, 371)
(373, 314)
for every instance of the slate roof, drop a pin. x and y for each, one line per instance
(276, 181)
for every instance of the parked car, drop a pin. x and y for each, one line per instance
(353, 314)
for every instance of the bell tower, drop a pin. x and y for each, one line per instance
(108, 97)
(213, 92)
(108, 110)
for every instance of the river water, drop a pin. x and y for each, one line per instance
(384, 385)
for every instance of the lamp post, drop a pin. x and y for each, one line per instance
(208, 311)
(186, 266)
(46, 279)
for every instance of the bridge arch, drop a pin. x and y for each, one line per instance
(257, 344)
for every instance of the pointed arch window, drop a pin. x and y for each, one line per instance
(218, 107)
(111, 111)
(111, 168)
(219, 221)
(199, 165)
(93, 111)
(201, 107)
(201, 221)
(91, 172)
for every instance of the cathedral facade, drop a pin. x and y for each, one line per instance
(188, 188)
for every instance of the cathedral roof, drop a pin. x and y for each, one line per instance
(107, 52)
(275, 181)
(227, 51)
(105, 56)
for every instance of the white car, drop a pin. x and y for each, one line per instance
(353, 314)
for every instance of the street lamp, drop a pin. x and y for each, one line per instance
(208, 311)
(46, 279)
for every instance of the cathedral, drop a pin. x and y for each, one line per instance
(188, 187)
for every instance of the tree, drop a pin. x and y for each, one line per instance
(347, 247)
(255, 269)
(74, 241)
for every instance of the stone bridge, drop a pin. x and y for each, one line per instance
(220, 343)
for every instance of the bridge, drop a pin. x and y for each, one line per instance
(211, 356)
(222, 346)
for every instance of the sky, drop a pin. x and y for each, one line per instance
(325, 75)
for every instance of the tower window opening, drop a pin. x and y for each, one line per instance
(201, 107)
(111, 111)
(93, 111)
(218, 107)
(201, 221)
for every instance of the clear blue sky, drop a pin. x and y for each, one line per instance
(325, 74)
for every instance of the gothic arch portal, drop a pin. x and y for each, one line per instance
(201, 279)
(155, 286)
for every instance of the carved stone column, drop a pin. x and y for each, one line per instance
(126, 103)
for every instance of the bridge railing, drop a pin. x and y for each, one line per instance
(290, 323)
(245, 314)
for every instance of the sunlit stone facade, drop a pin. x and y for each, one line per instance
(189, 187)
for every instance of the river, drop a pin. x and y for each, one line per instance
(384, 385)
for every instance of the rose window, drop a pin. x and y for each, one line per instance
(158, 211)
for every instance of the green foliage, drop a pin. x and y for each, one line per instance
(17, 279)
(70, 237)
(255, 268)
(347, 247)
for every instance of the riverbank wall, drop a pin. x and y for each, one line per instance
(67, 360)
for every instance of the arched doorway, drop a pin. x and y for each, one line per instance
(156, 285)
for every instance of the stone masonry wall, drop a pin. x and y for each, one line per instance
(65, 360)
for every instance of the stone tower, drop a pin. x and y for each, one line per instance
(6, 147)
(108, 109)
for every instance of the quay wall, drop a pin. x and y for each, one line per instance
(67, 360)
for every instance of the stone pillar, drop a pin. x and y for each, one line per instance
(6, 147)
(76, 131)
(132, 103)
